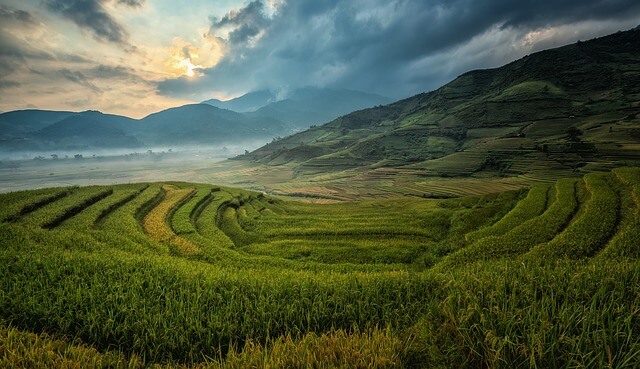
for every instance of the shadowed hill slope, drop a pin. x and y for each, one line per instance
(548, 113)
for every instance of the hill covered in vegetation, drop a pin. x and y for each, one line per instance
(182, 273)
(568, 110)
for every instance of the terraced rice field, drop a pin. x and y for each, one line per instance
(194, 275)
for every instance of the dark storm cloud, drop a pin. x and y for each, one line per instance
(92, 15)
(383, 46)
(246, 22)
(79, 78)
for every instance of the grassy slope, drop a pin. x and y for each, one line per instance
(191, 274)
(506, 122)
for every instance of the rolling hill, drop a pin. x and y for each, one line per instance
(87, 130)
(18, 123)
(203, 124)
(550, 114)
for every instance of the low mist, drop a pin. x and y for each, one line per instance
(34, 169)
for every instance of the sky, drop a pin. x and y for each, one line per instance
(136, 57)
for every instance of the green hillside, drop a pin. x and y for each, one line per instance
(553, 114)
(199, 275)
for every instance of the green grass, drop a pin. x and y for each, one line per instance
(528, 89)
(625, 242)
(533, 205)
(51, 214)
(19, 349)
(19, 204)
(206, 224)
(91, 216)
(194, 275)
(591, 230)
(336, 349)
(154, 308)
(524, 236)
(123, 225)
(182, 221)
(555, 315)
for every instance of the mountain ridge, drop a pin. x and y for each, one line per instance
(246, 103)
(493, 120)
(191, 124)
(207, 124)
(311, 105)
(301, 107)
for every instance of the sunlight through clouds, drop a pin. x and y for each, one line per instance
(186, 59)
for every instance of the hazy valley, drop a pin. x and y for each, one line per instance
(30, 133)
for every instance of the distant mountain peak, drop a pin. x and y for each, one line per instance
(248, 102)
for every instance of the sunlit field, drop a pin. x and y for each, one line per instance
(184, 274)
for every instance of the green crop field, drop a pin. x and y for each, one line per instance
(181, 274)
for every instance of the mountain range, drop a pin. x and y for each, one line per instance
(555, 112)
(302, 107)
(195, 124)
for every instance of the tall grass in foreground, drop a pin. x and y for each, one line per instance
(20, 349)
(563, 314)
(375, 348)
(170, 309)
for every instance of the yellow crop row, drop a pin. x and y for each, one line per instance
(156, 226)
